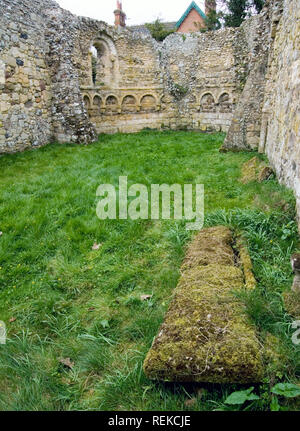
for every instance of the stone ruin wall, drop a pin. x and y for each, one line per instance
(46, 78)
(128, 91)
(244, 131)
(242, 81)
(187, 82)
(40, 98)
(267, 116)
(25, 84)
(280, 134)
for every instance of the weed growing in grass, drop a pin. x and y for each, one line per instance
(61, 299)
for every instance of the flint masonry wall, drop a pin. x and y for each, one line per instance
(267, 116)
(40, 98)
(25, 84)
(280, 134)
(244, 131)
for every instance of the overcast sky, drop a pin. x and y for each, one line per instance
(137, 11)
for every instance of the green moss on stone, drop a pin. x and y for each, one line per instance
(212, 245)
(246, 264)
(292, 303)
(255, 170)
(206, 336)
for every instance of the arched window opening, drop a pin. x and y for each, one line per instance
(94, 55)
(102, 64)
(207, 103)
(111, 100)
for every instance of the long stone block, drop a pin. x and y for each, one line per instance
(206, 335)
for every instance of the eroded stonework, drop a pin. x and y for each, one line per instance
(269, 106)
(186, 82)
(67, 78)
(280, 134)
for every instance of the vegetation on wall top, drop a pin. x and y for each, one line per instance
(212, 21)
(238, 10)
(159, 30)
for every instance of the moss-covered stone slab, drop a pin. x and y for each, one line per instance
(292, 303)
(255, 170)
(206, 335)
(211, 245)
(246, 263)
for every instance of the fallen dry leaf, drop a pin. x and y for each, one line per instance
(67, 362)
(96, 246)
(12, 319)
(145, 297)
(91, 309)
(190, 403)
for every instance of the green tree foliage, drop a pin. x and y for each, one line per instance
(212, 21)
(158, 30)
(258, 4)
(239, 10)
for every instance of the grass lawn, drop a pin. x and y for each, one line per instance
(61, 299)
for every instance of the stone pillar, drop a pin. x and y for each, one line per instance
(209, 6)
(295, 261)
(120, 16)
(263, 132)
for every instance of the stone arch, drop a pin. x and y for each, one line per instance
(112, 104)
(97, 101)
(111, 100)
(129, 104)
(87, 101)
(148, 103)
(104, 62)
(224, 102)
(207, 103)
